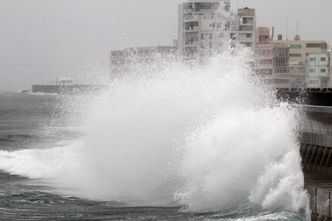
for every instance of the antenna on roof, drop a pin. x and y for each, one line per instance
(287, 29)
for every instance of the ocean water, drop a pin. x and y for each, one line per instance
(167, 142)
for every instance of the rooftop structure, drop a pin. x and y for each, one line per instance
(262, 35)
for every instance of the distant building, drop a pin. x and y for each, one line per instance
(205, 25)
(66, 86)
(122, 59)
(298, 50)
(318, 70)
(63, 82)
(272, 63)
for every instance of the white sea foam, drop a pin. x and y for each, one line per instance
(205, 137)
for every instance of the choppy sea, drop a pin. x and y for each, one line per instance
(29, 121)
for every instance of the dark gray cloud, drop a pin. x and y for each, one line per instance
(43, 39)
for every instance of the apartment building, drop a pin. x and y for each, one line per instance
(272, 63)
(298, 51)
(200, 26)
(205, 26)
(271, 59)
(246, 27)
(318, 70)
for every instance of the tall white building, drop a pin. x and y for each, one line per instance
(205, 25)
(246, 27)
(199, 25)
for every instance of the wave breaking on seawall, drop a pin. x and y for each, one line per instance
(204, 137)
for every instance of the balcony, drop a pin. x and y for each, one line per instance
(251, 23)
(191, 44)
(264, 66)
(192, 29)
(246, 28)
(319, 74)
(190, 18)
(246, 12)
(246, 21)
(245, 39)
(188, 11)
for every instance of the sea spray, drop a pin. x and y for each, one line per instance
(203, 137)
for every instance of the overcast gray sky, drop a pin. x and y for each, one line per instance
(44, 39)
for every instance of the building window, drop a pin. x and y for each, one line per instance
(295, 55)
(296, 46)
(323, 58)
(312, 59)
(323, 70)
(281, 52)
(314, 45)
(311, 70)
(246, 28)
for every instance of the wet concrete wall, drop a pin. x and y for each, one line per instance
(316, 153)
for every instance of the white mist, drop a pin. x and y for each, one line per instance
(204, 137)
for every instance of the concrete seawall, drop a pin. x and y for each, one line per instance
(316, 152)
